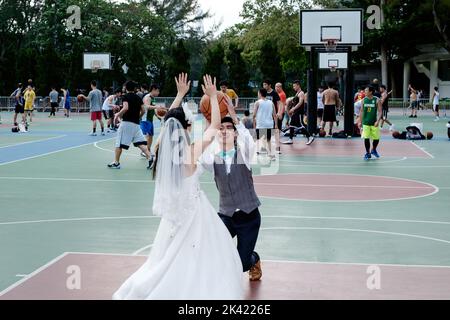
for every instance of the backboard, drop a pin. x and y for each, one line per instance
(98, 61)
(345, 26)
(336, 60)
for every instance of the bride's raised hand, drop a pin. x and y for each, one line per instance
(183, 85)
(209, 87)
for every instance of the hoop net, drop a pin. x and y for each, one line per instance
(96, 65)
(330, 45)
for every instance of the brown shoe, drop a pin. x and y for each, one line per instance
(255, 272)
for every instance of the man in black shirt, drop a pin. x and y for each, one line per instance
(275, 98)
(130, 131)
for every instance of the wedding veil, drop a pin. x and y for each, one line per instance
(170, 196)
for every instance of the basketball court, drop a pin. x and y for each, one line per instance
(330, 221)
(333, 225)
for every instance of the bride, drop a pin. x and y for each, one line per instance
(193, 256)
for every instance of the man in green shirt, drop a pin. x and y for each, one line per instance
(147, 118)
(369, 118)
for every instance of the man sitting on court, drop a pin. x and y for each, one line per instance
(130, 130)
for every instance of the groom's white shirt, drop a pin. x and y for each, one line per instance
(246, 145)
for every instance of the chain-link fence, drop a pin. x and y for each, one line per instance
(42, 104)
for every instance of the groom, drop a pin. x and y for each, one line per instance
(229, 160)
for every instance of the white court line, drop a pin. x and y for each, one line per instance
(124, 153)
(27, 142)
(76, 179)
(278, 217)
(358, 264)
(49, 153)
(37, 271)
(137, 252)
(283, 217)
(34, 273)
(337, 163)
(436, 189)
(21, 275)
(356, 219)
(422, 149)
(209, 182)
(75, 219)
(360, 230)
(338, 185)
(425, 166)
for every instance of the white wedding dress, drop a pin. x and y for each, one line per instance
(197, 260)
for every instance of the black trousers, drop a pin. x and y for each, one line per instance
(244, 226)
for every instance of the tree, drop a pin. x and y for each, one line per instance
(179, 62)
(237, 69)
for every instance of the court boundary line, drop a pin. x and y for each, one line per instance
(49, 153)
(358, 230)
(67, 253)
(264, 216)
(34, 273)
(39, 140)
(436, 189)
(334, 163)
(422, 149)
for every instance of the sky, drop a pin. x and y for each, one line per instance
(225, 11)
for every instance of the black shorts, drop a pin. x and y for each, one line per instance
(414, 104)
(295, 119)
(385, 113)
(320, 113)
(54, 105)
(329, 113)
(280, 123)
(108, 114)
(267, 132)
(19, 108)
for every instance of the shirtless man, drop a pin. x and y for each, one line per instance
(414, 102)
(330, 98)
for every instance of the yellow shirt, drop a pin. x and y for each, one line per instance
(29, 97)
(232, 94)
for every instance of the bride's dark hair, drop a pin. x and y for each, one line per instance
(178, 114)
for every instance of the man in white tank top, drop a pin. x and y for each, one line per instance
(264, 117)
(435, 99)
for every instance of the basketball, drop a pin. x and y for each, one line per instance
(396, 134)
(429, 135)
(161, 112)
(205, 106)
(80, 98)
(322, 133)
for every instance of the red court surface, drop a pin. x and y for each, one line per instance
(102, 274)
(340, 187)
(353, 147)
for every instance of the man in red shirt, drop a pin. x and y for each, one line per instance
(280, 113)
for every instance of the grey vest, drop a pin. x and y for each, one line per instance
(236, 189)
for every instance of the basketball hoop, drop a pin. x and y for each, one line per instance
(333, 69)
(330, 45)
(96, 65)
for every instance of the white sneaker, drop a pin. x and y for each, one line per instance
(103, 133)
(93, 134)
(310, 140)
(289, 141)
(436, 119)
(391, 128)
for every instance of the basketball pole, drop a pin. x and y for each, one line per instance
(348, 103)
(312, 94)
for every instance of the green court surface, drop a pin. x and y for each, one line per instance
(69, 201)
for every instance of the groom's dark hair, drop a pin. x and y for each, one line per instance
(228, 120)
